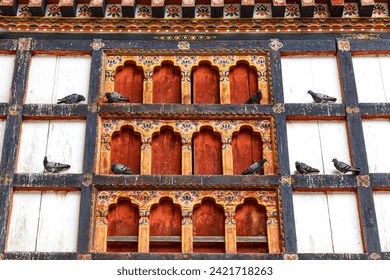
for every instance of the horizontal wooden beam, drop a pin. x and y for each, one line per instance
(324, 182)
(45, 180)
(375, 109)
(3, 109)
(55, 110)
(311, 110)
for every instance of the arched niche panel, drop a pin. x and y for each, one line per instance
(208, 219)
(123, 219)
(167, 84)
(207, 153)
(165, 220)
(251, 219)
(166, 152)
(247, 149)
(126, 149)
(205, 85)
(243, 83)
(129, 82)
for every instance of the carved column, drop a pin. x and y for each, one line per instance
(273, 231)
(263, 86)
(100, 240)
(186, 88)
(227, 155)
(105, 155)
(148, 88)
(230, 232)
(186, 156)
(109, 84)
(146, 155)
(224, 86)
(143, 231)
(268, 154)
(186, 231)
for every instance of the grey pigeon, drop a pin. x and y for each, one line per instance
(71, 99)
(54, 167)
(304, 168)
(344, 167)
(255, 99)
(118, 168)
(114, 97)
(321, 98)
(254, 168)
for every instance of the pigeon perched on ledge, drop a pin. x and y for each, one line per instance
(71, 99)
(304, 168)
(255, 99)
(114, 97)
(254, 168)
(321, 98)
(54, 167)
(344, 167)
(118, 168)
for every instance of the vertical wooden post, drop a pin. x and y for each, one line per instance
(143, 231)
(268, 154)
(186, 88)
(273, 231)
(224, 86)
(100, 241)
(105, 156)
(230, 232)
(227, 155)
(148, 88)
(186, 231)
(146, 155)
(186, 156)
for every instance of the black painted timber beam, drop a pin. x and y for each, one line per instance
(68, 8)
(55, 110)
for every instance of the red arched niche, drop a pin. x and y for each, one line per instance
(166, 152)
(123, 220)
(167, 84)
(246, 148)
(129, 82)
(165, 220)
(205, 85)
(208, 219)
(243, 83)
(207, 153)
(126, 149)
(251, 220)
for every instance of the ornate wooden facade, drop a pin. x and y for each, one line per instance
(186, 132)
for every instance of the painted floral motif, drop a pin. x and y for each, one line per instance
(113, 11)
(83, 11)
(53, 11)
(351, 10)
(183, 45)
(186, 127)
(149, 60)
(321, 10)
(173, 11)
(262, 11)
(258, 60)
(185, 61)
(292, 11)
(186, 198)
(202, 11)
(23, 11)
(143, 11)
(380, 10)
(113, 60)
(224, 60)
(231, 11)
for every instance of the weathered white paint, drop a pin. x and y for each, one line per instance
(376, 138)
(23, 226)
(58, 222)
(345, 223)
(44, 221)
(54, 77)
(327, 223)
(2, 131)
(7, 63)
(316, 73)
(61, 141)
(316, 143)
(371, 76)
(382, 209)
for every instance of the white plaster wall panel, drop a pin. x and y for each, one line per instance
(312, 223)
(344, 221)
(54, 77)
(2, 132)
(7, 63)
(23, 226)
(316, 73)
(58, 222)
(376, 138)
(316, 143)
(382, 209)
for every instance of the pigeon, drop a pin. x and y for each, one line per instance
(304, 168)
(254, 168)
(114, 97)
(54, 167)
(321, 98)
(344, 168)
(118, 168)
(254, 99)
(71, 99)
